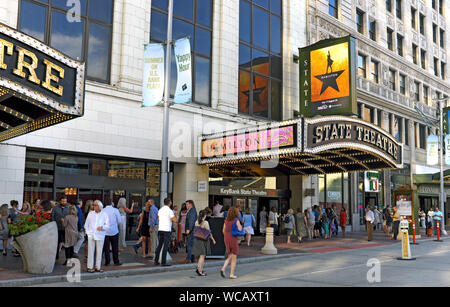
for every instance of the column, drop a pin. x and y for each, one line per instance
(403, 140)
(363, 113)
(375, 116)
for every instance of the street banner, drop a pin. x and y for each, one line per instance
(153, 81)
(446, 121)
(447, 149)
(432, 150)
(328, 78)
(183, 93)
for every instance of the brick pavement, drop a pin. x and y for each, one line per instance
(11, 267)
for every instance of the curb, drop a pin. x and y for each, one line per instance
(133, 272)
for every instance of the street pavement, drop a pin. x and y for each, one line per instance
(348, 267)
(314, 254)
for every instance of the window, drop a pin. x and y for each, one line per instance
(398, 9)
(389, 6)
(360, 21)
(433, 4)
(443, 75)
(373, 30)
(413, 18)
(425, 94)
(436, 67)
(402, 84)
(441, 38)
(422, 24)
(333, 8)
(362, 66)
(88, 39)
(414, 54)
(400, 45)
(416, 91)
(260, 62)
(374, 71)
(422, 137)
(406, 132)
(435, 34)
(390, 39)
(423, 55)
(392, 79)
(191, 18)
(441, 7)
(397, 130)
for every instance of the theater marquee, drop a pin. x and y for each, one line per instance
(323, 145)
(39, 86)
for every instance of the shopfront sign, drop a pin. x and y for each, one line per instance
(39, 86)
(432, 150)
(183, 93)
(250, 142)
(328, 78)
(372, 181)
(153, 79)
(339, 132)
(228, 191)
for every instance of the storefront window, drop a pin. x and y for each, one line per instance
(72, 165)
(126, 169)
(39, 176)
(322, 190)
(152, 182)
(334, 191)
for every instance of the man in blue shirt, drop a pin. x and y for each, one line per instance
(437, 216)
(153, 224)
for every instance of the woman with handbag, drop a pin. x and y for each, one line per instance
(249, 224)
(202, 247)
(231, 230)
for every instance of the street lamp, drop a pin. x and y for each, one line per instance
(441, 155)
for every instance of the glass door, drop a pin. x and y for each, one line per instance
(133, 218)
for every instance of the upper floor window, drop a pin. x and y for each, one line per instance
(413, 18)
(436, 67)
(443, 75)
(441, 7)
(433, 4)
(423, 56)
(374, 76)
(400, 45)
(402, 84)
(389, 6)
(414, 54)
(360, 21)
(373, 30)
(191, 18)
(333, 8)
(260, 61)
(422, 24)
(416, 91)
(441, 38)
(390, 39)
(362, 66)
(435, 34)
(392, 79)
(425, 90)
(87, 39)
(398, 9)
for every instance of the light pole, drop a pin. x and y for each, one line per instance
(164, 190)
(441, 157)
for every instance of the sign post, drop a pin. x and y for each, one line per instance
(403, 199)
(406, 249)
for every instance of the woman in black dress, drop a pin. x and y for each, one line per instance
(143, 229)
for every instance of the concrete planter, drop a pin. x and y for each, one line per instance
(38, 249)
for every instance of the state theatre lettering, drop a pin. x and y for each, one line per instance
(326, 133)
(29, 62)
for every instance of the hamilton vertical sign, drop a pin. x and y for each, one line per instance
(328, 78)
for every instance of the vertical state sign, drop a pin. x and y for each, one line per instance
(153, 81)
(328, 78)
(183, 93)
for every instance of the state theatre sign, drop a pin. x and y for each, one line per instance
(323, 145)
(39, 86)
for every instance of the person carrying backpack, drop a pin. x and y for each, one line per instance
(289, 224)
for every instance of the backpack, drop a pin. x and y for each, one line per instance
(287, 219)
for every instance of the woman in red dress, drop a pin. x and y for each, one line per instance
(343, 220)
(231, 242)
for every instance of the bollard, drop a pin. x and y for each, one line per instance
(414, 232)
(269, 248)
(438, 232)
(406, 249)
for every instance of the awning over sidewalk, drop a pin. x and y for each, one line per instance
(39, 86)
(330, 144)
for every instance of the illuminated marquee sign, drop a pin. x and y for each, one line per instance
(39, 86)
(327, 78)
(340, 132)
(282, 137)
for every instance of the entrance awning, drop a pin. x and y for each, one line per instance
(323, 145)
(39, 86)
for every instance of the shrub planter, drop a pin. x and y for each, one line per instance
(38, 249)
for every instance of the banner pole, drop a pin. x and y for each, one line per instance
(165, 137)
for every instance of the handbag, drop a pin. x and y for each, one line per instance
(235, 231)
(201, 233)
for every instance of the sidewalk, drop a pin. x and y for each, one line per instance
(11, 272)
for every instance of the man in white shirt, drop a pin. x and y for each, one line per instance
(165, 217)
(370, 219)
(112, 235)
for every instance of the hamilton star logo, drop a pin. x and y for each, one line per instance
(329, 79)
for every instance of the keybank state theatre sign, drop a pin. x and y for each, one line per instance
(39, 86)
